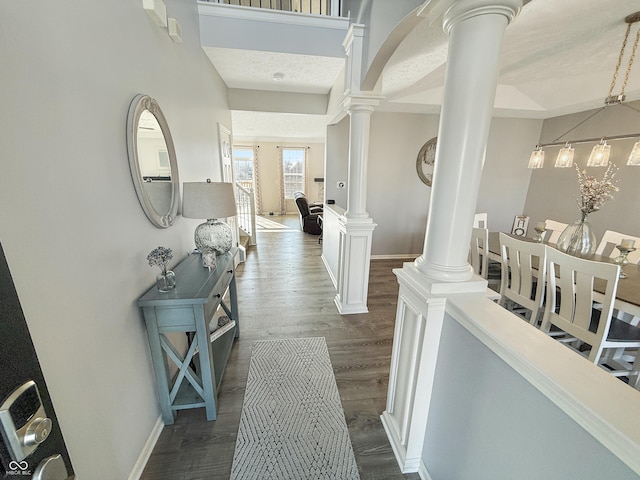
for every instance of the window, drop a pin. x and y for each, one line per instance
(243, 166)
(293, 170)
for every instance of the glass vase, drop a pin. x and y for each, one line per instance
(578, 239)
(166, 281)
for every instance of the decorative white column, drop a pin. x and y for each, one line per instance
(360, 111)
(356, 227)
(476, 30)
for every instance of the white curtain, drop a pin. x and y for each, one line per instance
(257, 186)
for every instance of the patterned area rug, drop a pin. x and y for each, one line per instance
(292, 424)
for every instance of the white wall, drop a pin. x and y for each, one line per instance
(553, 191)
(73, 231)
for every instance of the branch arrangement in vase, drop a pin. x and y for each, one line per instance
(593, 192)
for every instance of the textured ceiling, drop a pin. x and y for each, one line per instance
(558, 58)
(254, 70)
(278, 127)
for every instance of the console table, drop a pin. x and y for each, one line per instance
(189, 308)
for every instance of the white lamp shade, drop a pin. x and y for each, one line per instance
(537, 158)
(207, 200)
(599, 155)
(634, 156)
(565, 157)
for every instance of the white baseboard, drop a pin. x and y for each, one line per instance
(331, 276)
(423, 472)
(398, 256)
(143, 458)
(399, 451)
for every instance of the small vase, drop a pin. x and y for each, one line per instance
(166, 281)
(578, 239)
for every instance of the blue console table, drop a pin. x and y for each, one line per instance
(189, 308)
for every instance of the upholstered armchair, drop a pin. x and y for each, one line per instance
(308, 214)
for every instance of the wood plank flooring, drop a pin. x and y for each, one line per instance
(284, 291)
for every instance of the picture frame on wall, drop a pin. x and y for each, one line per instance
(520, 226)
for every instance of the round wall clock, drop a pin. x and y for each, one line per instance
(426, 160)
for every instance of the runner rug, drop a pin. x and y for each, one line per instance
(292, 424)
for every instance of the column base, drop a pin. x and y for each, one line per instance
(431, 284)
(416, 340)
(350, 309)
(353, 265)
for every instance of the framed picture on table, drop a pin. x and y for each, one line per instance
(520, 225)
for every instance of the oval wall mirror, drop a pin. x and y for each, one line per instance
(152, 160)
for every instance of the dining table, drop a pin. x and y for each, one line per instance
(627, 294)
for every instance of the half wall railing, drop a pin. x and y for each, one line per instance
(314, 7)
(246, 206)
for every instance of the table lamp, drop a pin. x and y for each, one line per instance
(210, 200)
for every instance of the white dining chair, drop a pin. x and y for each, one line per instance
(523, 277)
(480, 220)
(595, 334)
(553, 230)
(607, 246)
(479, 257)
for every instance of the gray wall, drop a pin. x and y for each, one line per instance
(73, 231)
(553, 191)
(505, 176)
(487, 423)
(337, 161)
(398, 201)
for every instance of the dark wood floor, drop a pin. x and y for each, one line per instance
(284, 291)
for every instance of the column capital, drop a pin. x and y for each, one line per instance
(356, 224)
(355, 30)
(362, 103)
(471, 8)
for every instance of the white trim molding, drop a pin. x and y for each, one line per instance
(143, 458)
(354, 258)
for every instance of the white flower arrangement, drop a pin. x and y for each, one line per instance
(593, 192)
(160, 256)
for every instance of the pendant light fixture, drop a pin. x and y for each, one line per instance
(600, 154)
(634, 156)
(537, 158)
(565, 156)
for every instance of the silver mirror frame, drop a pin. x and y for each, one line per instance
(139, 104)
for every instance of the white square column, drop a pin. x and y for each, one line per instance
(416, 341)
(356, 227)
(354, 258)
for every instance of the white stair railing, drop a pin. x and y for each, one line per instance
(313, 7)
(246, 206)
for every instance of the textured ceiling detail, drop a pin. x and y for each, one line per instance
(278, 126)
(254, 69)
(558, 57)
(419, 54)
(563, 54)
